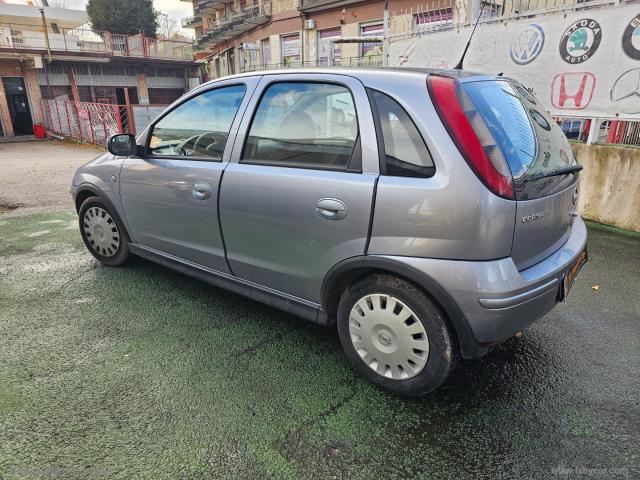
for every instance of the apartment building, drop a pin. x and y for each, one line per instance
(242, 35)
(48, 53)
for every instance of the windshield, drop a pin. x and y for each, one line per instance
(529, 139)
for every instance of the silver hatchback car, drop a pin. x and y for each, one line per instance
(430, 214)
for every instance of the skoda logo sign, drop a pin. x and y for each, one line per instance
(527, 45)
(631, 38)
(580, 41)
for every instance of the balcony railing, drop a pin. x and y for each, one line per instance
(236, 23)
(370, 61)
(17, 38)
(313, 5)
(190, 22)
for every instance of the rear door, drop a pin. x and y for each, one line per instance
(296, 198)
(170, 196)
(534, 147)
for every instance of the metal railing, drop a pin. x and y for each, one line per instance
(94, 122)
(237, 23)
(347, 62)
(601, 130)
(304, 5)
(15, 37)
(191, 21)
(85, 121)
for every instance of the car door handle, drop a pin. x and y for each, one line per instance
(331, 209)
(201, 190)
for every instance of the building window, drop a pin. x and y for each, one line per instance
(370, 49)
(490, 10)
(324, 40)
(266, 52)
(290, 49)
(440, 19)
(164, 96)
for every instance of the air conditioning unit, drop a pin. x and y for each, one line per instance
(309, 24)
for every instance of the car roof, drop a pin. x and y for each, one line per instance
(355, 72)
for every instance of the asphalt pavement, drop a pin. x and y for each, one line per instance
(140, 372)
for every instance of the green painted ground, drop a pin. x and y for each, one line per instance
(139, 372)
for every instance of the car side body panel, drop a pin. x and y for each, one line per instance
(450, 215)
(272, 230)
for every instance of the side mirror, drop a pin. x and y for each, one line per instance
(122, 144)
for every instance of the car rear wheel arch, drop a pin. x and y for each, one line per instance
(354, 269)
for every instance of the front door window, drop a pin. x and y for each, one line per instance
(198, 127)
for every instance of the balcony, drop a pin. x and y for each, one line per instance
(209, 5)
(84, 42)
(191, 22)
(236, 24)
(310, 6)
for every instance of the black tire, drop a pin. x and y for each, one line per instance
(443, 351)
(113, 257)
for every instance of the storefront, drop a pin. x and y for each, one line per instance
(19, 97)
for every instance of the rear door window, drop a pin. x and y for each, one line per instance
(530, 140)
(306, 125)
(405, 153)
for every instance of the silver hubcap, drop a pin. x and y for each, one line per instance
(101, 232)
(388, 336)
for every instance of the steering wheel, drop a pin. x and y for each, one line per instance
(184, 147)
(209, 142)
(191, 145)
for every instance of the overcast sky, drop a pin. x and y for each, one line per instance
(176, 9)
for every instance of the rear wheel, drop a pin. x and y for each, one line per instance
(103, 233)
(395, 335)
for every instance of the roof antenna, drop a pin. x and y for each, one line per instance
(459, 65)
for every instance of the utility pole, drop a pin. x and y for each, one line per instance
(385, 35)
(46, 33)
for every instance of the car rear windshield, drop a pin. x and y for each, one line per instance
(530, 140)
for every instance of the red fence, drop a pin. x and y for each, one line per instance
(89, 122)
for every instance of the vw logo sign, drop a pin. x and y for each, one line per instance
(527, 45)
(631, 38)
(580, 41)
(539, 119)
(625, 92)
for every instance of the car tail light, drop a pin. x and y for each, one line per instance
(471, 135)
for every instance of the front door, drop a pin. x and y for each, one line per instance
(18, 102)
(296, 198)
(170, 197)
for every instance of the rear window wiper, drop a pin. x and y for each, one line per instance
(555, 173)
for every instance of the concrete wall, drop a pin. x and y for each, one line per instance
(610, 185)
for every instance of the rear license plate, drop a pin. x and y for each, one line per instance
(572, 273)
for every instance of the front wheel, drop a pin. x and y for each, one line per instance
(395, 335)
(103, 233)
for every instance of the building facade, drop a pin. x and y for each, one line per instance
(48, 53)
(235, 36)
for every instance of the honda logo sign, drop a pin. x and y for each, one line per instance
(572, 91)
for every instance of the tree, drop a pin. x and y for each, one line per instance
(127, 17)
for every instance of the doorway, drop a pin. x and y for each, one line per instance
(18, 102)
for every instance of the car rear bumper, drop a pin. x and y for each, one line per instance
(497, 299)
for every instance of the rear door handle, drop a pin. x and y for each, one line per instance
(201, 190)
(331, 209)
